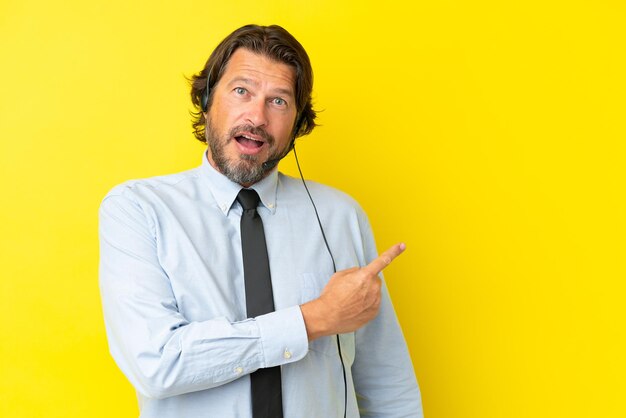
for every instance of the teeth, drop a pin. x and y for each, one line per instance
(252, 139)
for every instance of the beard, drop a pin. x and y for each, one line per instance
(245, 169)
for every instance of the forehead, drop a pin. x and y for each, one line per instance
(259, 69)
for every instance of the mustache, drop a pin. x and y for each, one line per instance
(254, 130)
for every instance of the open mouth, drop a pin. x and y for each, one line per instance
(248, 142)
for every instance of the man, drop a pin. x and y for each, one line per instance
(176, 274)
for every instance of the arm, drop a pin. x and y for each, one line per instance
(158, 349)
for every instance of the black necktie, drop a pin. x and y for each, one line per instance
(267, 401)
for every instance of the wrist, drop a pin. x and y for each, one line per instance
(315, 320)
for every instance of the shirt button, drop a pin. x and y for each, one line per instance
(287, 354)
(223, 207)
(270, 205)
(238, 370)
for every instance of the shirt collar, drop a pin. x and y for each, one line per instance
(225, 191)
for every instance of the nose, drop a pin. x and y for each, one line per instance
(256, 113)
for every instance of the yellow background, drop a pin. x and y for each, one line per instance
(488, 135)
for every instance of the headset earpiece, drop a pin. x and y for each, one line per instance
(204, 100)
(296, 129)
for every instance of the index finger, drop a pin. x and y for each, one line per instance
(385, 259)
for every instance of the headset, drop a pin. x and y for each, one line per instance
(270, 164)
(204, 100)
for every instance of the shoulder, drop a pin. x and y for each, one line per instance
(144, 201)
(294, 185)
(326, 198)
(144, 189)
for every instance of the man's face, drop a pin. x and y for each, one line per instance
(251, 117)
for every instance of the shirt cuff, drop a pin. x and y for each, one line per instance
(283, 336)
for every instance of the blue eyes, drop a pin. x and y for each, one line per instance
(278, 101)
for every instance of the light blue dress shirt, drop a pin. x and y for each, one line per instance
(171, 278)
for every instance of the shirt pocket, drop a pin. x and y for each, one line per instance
(312, 285)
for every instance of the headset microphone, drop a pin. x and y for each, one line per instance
(269, 164)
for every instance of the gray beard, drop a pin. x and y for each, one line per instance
(247, 169)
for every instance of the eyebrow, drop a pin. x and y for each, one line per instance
(244, 80)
